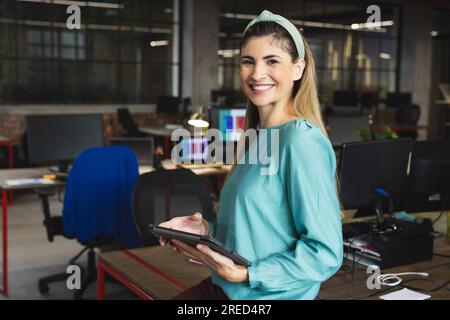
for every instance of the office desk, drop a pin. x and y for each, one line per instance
(152, 273)
(12, 174)
(159, 131)
(159, 273)
(341, 286)
(200, 171)
(398, 128)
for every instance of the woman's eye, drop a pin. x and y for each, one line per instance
(272, 62)
(246, 62)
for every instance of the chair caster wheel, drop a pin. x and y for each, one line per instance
(43, 288)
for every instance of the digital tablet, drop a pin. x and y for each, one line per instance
(194, 239)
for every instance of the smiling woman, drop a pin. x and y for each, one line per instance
(286, 223)
(267, 76)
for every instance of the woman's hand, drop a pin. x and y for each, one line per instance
(223, 266)
(193, 224)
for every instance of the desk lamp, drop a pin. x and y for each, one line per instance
(197, 120)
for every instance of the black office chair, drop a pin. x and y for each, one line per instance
(187, 106)
(369, 100)
(408, 115)
(129, 127)
(161, 195)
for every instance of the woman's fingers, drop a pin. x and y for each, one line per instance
(163, 242)
(189, 250)
(197, 216)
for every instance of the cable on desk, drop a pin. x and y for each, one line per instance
(393, 279)
(436, 220)
(443, 201)
(402, 285)
(354, 261)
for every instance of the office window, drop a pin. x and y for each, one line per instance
(345, 58)
(42, 61)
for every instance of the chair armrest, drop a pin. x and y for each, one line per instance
(53, 225)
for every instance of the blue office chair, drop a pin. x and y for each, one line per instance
(97, 207)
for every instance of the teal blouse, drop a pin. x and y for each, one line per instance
(288, 223)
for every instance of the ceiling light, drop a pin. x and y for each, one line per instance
(159, 43)
(94, 4)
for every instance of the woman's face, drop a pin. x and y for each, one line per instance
(267, 71)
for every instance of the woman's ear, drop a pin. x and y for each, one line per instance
(299, 66)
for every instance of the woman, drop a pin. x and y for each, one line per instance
(288, 223)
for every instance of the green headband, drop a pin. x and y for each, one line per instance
(267, 16)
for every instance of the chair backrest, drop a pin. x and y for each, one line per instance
(408, 115)
(97, 200)
(369, 100)
(127, 122)
(161, 195)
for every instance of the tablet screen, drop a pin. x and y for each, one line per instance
(194, 239)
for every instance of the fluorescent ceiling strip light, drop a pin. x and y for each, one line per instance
(62, 25)
(159, 43)
(372, 25)
(94, 4)
(315, 24)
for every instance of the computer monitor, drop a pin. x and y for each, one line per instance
(142, 147)
(58, 139)
(429, 176)
(342, 98)
(226, 98)
(227, 121)
(194, 149)
(231, 120)
(345, 129)
(370, 166)
(168, 104)
(398, 99)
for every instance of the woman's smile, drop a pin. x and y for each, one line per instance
(260, 88)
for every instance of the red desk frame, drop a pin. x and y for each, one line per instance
(103, 267)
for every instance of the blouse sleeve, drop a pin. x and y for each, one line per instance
(311, 192)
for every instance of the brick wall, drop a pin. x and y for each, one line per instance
(13, 125)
